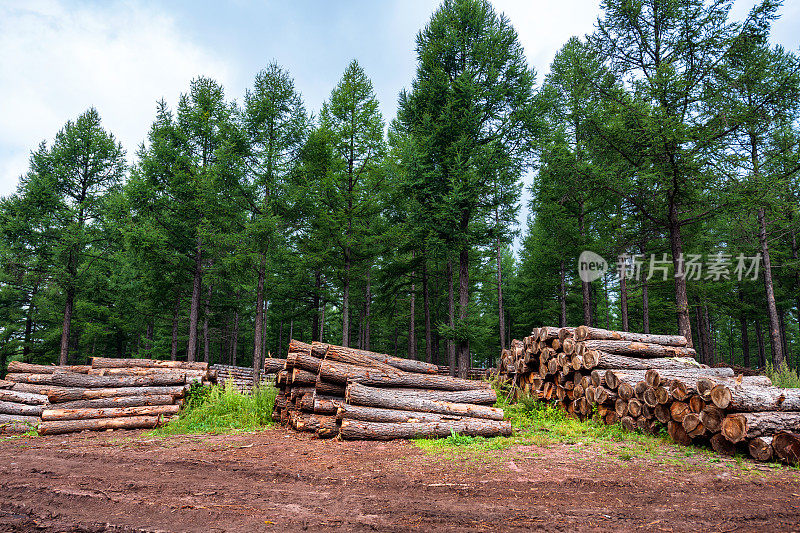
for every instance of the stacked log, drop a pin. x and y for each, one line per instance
(241, 377)
(652, 382)
(356, 394)
(108, 394)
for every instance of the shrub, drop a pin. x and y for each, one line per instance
(783, 376)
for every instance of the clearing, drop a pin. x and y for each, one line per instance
(275, 480)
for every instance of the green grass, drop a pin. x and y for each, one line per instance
(223, 410)
(783, 376)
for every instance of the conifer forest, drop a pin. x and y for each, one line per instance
(666, 142)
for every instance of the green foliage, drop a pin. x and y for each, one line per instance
(783, 376)
(223, 410)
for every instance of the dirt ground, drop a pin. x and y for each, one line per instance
(281, 481)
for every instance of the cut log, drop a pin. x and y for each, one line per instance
(109, 412)
(604, 396)
(22, 409)
(303, 377)
(377, 414)
(696, 404)
(621, 408)
(55, 427)
(628, 422)
(395, 399)
(342, 372)
(359, 429)
(120, 401)
(583, 333)
(787, 446)
(6, 384)
(712, 417)
(638, 349)
(625, 391)
(308, 363)
(58, 395)
(755, 398)
(10, 395)
(104, 362)
(196, 374)
(353, 357)
(326, 405)
(407, 365)
(547, 333)
(760, 448)
(693, 426)
(662, 413)
(739, 426)
(298, 392)
(476, 396)
(564, 333)
(37, 379)
(96, 382)
(634, 408)
(610, 418)
(678, 434)
(329, 389)
(272, 365)
(15, 367)
(678, 411)
(607, 360)
(722, 446)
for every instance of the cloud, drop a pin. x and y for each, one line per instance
(57, 61)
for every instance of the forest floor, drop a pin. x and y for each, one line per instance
(275, 480)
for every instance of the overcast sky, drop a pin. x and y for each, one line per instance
(58, 58)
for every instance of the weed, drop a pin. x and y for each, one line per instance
(783, 376)
(223, 410)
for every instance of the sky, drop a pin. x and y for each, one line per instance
(58, 58)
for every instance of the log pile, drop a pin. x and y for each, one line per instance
(241, 377)
(355, 394)
(108, 394)
(652, 382)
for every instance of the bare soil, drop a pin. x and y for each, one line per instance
(280, 481)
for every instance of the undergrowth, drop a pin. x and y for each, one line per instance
(222, 410)
(783, 376)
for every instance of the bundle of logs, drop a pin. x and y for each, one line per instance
(649, 382)
(108, 394)
(355, 394)
(241, 377)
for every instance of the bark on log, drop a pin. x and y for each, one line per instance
(395, 399)
(352, 357)
(638, 349)
(303, 377)
(326, 405)
(623, 362)
(476, 396)
(329, 389)
(342, 372)
(308, 363)
(628, 423)
(15, 367)
(65, 395)
(109, 412)
(37, 379)
(739, 426)
(56, 427)
(359, 429)
(201, 374)
(104, 362)
(6, 384)
(273, 365)
(10, 395)
(121, 401)
(760, 448)
(408, 365)
(583, 333)
(787, 446)
(22, 409)
(96, 382)
(755, 398)
(377, 414)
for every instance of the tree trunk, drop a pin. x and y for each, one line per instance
(396, 399)
(358, 429)
(109, 412)
(500, 312)
(787, 446)
(772, 309)
(762, 358)
(346, 300)
(645, 307)
(784, 346)
(173, 351)
(194, 309)
(562, 296)
(451, 314)
(99, 424)
(258, 336)
(412, 323)
(21, 409)
(341, 372)
(623, 300)
(367, 310)
(315, 301)
(586, 287)
(463, 303)
(206, 339)
(426, 309)
(582, 333)
(743, 329)
(64, 353)
(26, 343)
(681, 298)
(739, 426)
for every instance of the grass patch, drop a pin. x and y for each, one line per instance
(783, 376)
(223, 410)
